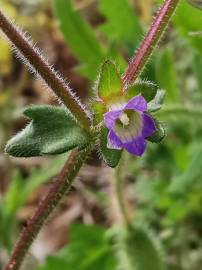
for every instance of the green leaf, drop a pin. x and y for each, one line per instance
(110, 156)
(51, 131)
(99, 109)
(141, 251)
(79, 37)
(87, 250)
(157, 102)
(121, 24)
(110, 83)
(146, 88)
(159, 135)
(166, 74)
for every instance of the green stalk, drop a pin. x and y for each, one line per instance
(119, 193)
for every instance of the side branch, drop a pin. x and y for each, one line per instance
(37, 62)
(150, 41)
(58, 188)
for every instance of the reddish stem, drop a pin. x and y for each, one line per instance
(150, 41)
(57, 190)
(32, 57)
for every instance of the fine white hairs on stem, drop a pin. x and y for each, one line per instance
(37, 71)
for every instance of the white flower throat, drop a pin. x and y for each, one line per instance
(124, 119)
(129, 125)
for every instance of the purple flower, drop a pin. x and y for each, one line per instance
(129, 125)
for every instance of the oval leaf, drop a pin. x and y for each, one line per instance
(110, 156)
(51, 131)
(110, 83)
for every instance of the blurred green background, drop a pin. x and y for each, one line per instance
(162, 190)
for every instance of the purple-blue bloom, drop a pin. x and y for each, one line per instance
(129, 125)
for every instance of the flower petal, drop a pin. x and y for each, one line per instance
(137, 103)
(149, 126)
(110, 118)
(136, 147)
(113, 141)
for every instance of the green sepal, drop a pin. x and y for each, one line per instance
(110, 156)
(146, 88)
(51, 131)
(159, 135)
(98, 109)
(157, 102)
(109, 83)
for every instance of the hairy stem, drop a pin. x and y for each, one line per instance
(150, 41)
(39, 65)
(119, 193)
(58, 188)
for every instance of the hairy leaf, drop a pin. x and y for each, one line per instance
(110, 83)
(51, 131)
(146, 88)
(140, 251)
